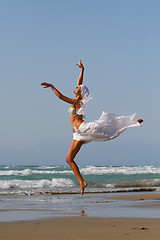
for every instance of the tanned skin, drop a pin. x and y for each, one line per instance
(75, 120)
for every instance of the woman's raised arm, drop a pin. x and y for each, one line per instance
(58, 94)
(80, 79)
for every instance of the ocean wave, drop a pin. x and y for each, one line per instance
(90, 191)
(120, 170)
(35, 180)
(56, 184)
(88, 170)
(143, 183)
(24, 172)
(28, 171)
(31, 184)
(46, 167)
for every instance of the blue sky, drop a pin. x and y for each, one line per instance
(118, 43)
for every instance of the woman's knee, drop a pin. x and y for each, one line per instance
(73, 150)
(69, 159)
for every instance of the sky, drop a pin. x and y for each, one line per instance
(118, 43)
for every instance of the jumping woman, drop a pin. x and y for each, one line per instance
(107, 127)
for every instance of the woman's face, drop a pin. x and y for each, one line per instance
(77, 90)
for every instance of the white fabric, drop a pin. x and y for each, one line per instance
(85, 99)
(107, 127)
(84, 91)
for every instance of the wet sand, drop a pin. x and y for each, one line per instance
(88, 228)
(137, 197)
(85, 228)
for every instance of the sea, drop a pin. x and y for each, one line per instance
(55, 189)
(41, 180)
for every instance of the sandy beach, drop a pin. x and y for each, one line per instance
(84, 227)
(137, 197)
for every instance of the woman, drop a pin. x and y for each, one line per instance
(106, 128)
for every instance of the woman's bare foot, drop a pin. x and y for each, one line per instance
(82, 186)
(139, 120)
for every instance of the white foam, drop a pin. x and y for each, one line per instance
(27, 172)
(120, 170)
(85, 170)
(46, 167)
(30, 184)
(24, 172)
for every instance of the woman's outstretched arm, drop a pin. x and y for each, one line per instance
(58, 94)
(80, 79)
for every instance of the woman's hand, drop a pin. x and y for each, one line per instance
(46, 85)
(80, 65)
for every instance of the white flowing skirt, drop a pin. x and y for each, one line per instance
(107, 127)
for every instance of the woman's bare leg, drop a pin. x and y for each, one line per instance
(72, 152)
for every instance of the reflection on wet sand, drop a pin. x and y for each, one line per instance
(82, 213)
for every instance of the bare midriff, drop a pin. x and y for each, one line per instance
(75, 120)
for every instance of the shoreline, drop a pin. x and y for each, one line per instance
(90, 223)
(115, 205)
